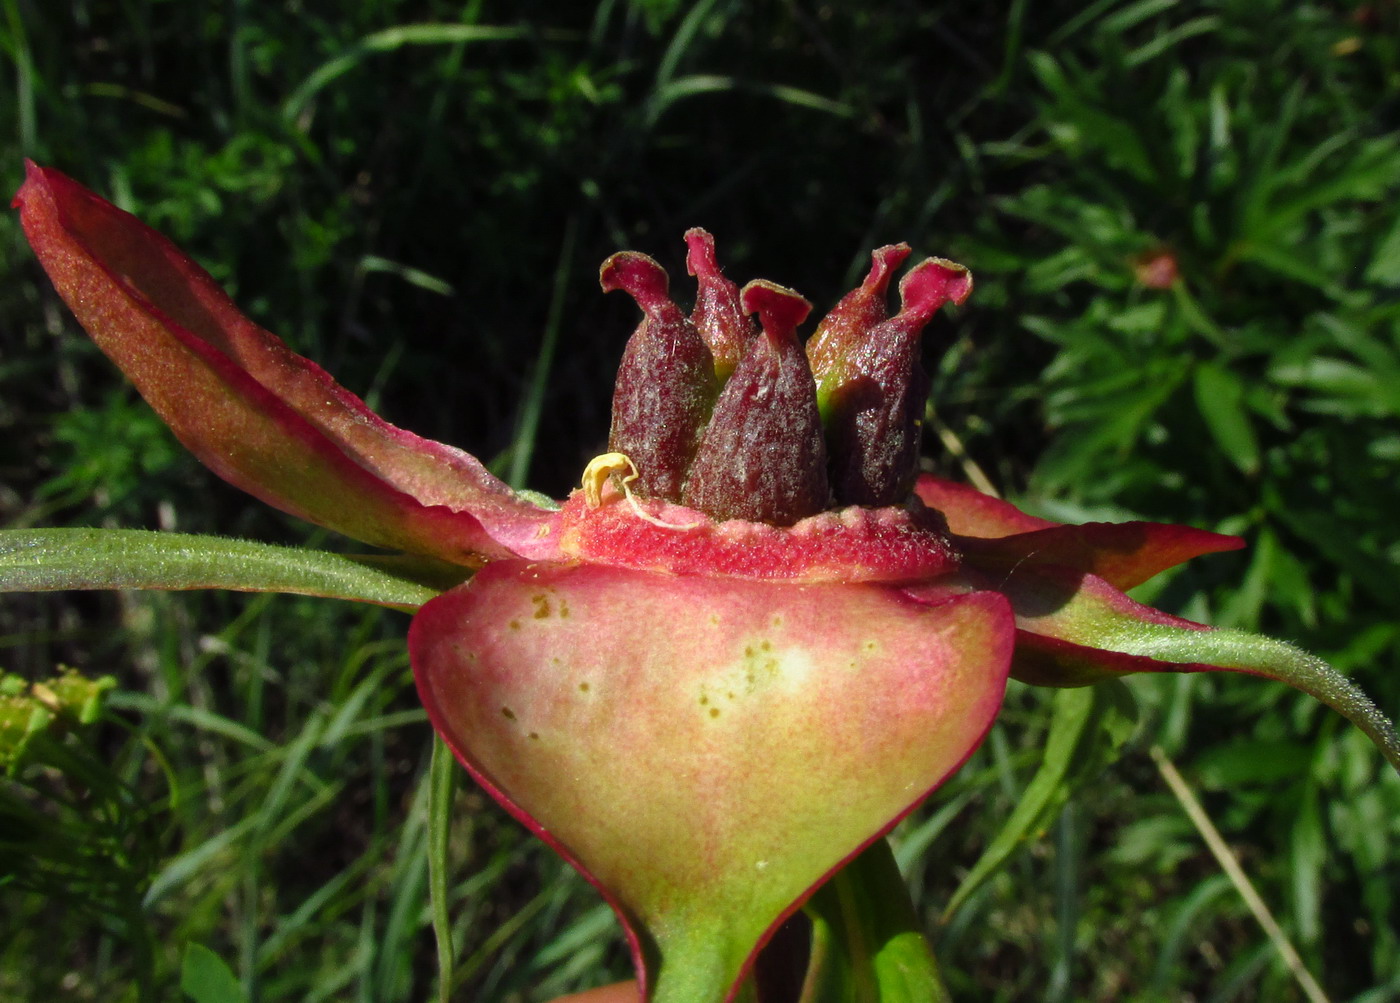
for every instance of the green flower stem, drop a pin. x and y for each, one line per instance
(867, 946)
(699, 964)
(45, 560)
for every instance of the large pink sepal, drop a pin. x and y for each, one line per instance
(262, 417)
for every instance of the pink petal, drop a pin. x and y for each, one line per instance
(260, 416)
(971, 513)
(705, 751)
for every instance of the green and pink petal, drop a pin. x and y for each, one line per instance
(748, 738)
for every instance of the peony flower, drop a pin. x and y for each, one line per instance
(752, 641)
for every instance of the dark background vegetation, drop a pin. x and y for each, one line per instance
(1183, 221)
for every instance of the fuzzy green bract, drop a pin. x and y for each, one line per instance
(711, 682)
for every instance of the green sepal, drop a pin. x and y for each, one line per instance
(1255, 655)
(1075, 629)
(867, 946)
(45, 560)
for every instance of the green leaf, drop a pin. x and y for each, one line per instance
(866, 943)
(1305, 513)
(46, 560)
(206, 978)
(1340, 387)
(390, 40)
(1219, 395)
(1250, 762)
(442, 783)
(1384, 268)
(1088, 727)
(1163, 41)
(706, 83)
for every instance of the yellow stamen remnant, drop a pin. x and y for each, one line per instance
(599, 469)
(596, 474)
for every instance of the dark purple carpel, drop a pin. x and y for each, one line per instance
(763, 458)
(665, 385)
(876, 401)
(718, 316)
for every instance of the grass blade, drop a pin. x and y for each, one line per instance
(443, 777)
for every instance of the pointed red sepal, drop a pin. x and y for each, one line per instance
(1124, 554)
(705, 751)
(999, 536)
(260, 416)
(971, 513)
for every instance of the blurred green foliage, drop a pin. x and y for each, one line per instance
(1207, 239)
(1183, 220)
